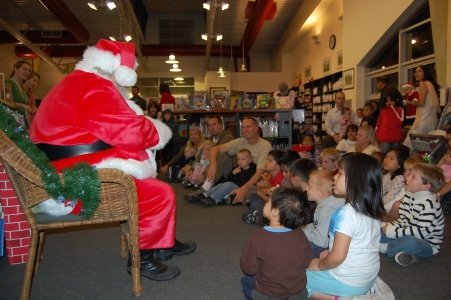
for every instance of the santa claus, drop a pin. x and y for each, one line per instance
(85, 118)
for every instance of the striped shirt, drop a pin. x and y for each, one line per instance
(420, 215)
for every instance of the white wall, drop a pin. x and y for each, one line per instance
(364, 23)
(49, 75)
(307, 52)
(253, 81)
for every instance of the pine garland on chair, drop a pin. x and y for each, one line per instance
(80, 182)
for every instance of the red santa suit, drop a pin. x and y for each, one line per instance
(85, 108)
(411, 110)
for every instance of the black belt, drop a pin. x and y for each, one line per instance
(55, 152)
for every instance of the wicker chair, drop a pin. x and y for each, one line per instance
(118, 203)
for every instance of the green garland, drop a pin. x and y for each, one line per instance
(80, 182)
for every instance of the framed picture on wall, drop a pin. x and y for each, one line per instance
(308, 72)
(326, 64)
(348, 79)
(339, 59)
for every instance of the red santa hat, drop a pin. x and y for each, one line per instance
(407, 85)
(111, 58)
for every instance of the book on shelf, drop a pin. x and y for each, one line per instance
(199, 100)
(263, 101)
(282, 102)
(220, 100)
(247, 102)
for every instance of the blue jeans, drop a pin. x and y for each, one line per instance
(221, 191)
(248, 284)
(408, 244)
(385, 146)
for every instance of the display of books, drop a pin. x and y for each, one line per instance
(247, 103)
(263, 101)
(282, 101)
(236, 100)
(220, 100)
(199, 100)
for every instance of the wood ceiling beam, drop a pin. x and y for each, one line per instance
(30, 45)
(67, 18)
(263, 10)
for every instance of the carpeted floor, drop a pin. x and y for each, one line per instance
(86, 264)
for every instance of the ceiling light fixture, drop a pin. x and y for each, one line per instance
(217, 37)
(223, 4)
(243, 65)
(175, 68)
(97, 5)
(179, 79)
(171, 59)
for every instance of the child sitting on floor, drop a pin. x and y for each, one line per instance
(307, 149)
(320, 190)
(195, 174)
(329, 160)
(348, 140)
(275, 257)
(220, 193)
(345, 121)
(393, 179)
(351, 265)
(272, 177)
(418, 232)
(175, 171)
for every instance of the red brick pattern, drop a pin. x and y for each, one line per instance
(17, 231)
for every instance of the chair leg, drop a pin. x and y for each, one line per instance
(137, 288)
(30, 267)
(40, 248)
(124, 244)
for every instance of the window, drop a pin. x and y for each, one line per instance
(410, 47)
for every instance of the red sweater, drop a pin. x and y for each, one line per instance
(388, 127)
(166, 98)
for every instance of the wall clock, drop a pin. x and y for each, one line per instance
(332, 41)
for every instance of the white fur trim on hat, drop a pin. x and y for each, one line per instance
(106, 64)
(125, 76)
(99, 61)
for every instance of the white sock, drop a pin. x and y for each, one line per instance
(383, 247)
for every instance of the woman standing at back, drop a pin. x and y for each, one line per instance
(30, 89)
(427, 105)
(166, 97)
(21, 72)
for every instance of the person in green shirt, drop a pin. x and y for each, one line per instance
(21, 72)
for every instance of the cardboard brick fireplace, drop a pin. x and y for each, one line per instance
(17, 230)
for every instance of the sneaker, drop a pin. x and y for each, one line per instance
(195, 196)
(383, 248)
(250, 218)
(405, 259)
(380, 289)
(208, 201)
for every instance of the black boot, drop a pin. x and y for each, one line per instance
(178, 249)
(154, 269)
